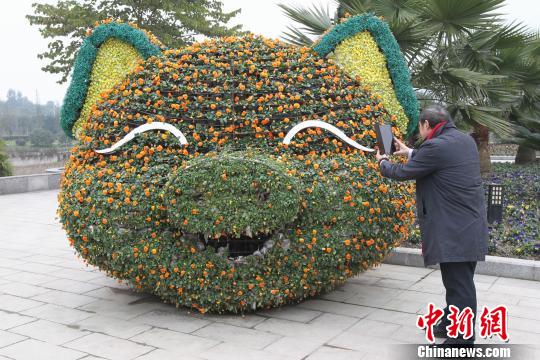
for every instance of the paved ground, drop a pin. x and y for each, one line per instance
(52, 306)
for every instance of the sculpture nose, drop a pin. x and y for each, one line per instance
(234, 195)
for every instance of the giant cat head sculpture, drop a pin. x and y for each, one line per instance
(236, 173)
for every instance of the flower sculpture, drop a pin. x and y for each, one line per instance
(233, 174)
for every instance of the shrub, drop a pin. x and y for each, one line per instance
(518, 233)
(520, 227)
(41, 138)
(5, 166)
(20, 142)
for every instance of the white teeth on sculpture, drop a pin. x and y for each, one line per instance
(122, 231)
(221, 250)
(146, 127)
(323, 125)
(258, 253)
(239, 260)
(269, 244)
(286, 244)
(202, 244)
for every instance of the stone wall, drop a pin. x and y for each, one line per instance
(26, 183)
(31, 157)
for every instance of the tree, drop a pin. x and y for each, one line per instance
(5, 166)
(523, 65)
(41, 138)
(174, 22)
(455, 50)
(17, 114)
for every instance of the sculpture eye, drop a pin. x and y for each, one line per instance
(140, 129)
(323, 125)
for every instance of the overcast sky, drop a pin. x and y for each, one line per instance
(20, 69)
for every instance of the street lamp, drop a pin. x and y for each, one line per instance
(495, 203)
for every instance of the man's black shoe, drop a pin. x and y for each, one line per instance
(439, 330)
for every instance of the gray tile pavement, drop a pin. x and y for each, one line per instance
(53, 306)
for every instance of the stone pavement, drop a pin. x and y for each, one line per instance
(52, 306)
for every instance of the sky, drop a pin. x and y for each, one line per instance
(20, 68)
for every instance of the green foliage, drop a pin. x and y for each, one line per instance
(232, 193)
(460, 54)
(5, 166)
(520, 226)
(175, 22)
(317, 20)
(150, 212)
(522, 64)
(41, 138)
(77, 92)
(518, 234)
(395, 62)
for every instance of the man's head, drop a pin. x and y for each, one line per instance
(430, 116)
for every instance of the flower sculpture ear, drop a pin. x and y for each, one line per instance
(364, 47)
(110, 51)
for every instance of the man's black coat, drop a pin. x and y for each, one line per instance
(449, 196)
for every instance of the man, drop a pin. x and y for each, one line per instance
(450, 206)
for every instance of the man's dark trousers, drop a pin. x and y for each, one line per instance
(458, 280)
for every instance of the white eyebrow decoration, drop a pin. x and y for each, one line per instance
(324, 125)
(145, 127)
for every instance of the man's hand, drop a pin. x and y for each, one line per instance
(379, 156)
(401, 148)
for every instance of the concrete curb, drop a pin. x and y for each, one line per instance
(494, 265)
(26, 183)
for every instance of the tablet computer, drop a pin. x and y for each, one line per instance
(385, 139)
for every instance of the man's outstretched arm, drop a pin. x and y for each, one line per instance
(422, 162)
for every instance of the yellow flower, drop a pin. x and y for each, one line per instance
(360, 56)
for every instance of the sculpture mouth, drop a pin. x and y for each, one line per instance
(236, 249)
